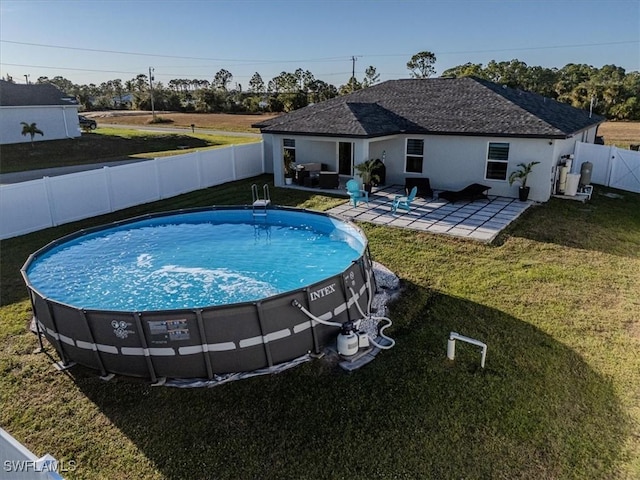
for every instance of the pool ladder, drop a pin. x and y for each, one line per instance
(260, 204)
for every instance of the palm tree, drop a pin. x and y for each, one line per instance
(522, 174)
(30, 129)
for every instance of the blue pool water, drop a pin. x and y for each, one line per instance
(195, 260)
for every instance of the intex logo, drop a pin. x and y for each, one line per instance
(323, 292)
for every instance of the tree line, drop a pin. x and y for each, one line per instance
(285, 92)
(607, 91)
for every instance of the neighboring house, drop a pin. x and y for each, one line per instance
(454, 131)
(54, 112)
(121, 102)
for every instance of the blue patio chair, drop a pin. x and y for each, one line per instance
(355, 193)
(404, 201)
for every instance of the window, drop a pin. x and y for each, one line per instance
(415, 155)
(497, 161)
(289, 148)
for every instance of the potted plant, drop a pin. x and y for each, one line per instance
(288, 167)
(521, 176)
(366, 171)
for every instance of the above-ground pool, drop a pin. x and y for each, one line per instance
(197, 293)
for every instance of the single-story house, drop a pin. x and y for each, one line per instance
(454, 131)
(53, 112)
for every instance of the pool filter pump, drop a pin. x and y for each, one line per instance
(348, 340)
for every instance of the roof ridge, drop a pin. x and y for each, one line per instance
(499, 93)
(505, 89)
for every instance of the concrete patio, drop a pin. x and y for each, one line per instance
(480, 220)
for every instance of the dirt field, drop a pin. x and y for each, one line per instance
(213, 121)
(621, 134)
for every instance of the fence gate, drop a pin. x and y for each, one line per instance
(625, 171)
(612, 167)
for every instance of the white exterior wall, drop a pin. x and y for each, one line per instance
(274, 144)
(568, 146)
(450, 162)
(267, 153)
(56, 122)
(316, 151)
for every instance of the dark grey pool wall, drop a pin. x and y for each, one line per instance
(199, 343)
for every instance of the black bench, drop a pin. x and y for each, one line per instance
(329, 180)
(472, 192)
(423, 184)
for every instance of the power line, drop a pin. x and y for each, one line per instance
(162, 74)
(67, 68)
(548, 47)
(95, 50)
(93, 70)
(322, 59)
(353, 58)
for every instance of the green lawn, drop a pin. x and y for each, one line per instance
(555, 298)
(108, 144)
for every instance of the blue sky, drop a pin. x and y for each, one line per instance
(195, 39)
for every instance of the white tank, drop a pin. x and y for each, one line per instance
(565, 169)
(347, 343)
(572, 184)
(562, 182)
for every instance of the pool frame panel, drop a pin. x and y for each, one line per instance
(208, 341)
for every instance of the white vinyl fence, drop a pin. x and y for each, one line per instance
(19, 463)
(34, 205)
(612, 167)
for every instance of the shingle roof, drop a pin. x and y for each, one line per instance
(442, 106)
(18, 95)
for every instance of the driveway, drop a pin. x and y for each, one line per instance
(480, 220)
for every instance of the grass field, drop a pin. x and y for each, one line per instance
(555, 298)
(213, 121)
(108, 144)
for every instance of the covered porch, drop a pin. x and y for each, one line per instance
(302, 159)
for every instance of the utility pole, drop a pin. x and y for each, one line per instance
(153, 110)
(353, 66)
(26, 78)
